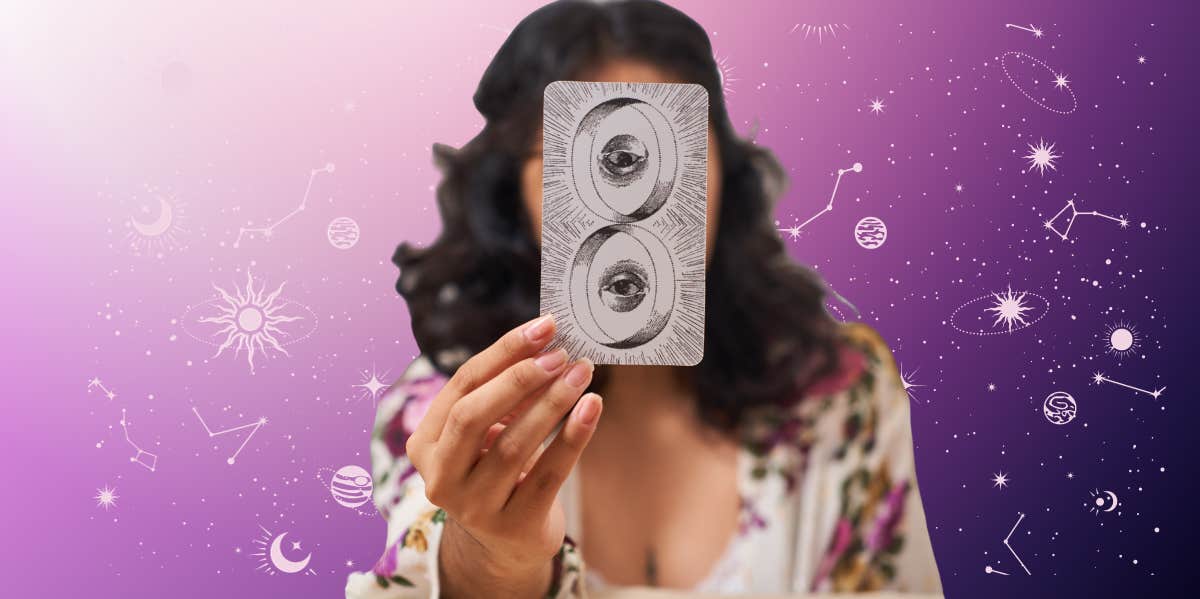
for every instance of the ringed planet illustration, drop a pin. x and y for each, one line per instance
(351, 486)
(999, 313)
(1039, 83)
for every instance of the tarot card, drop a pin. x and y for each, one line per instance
(624, 188)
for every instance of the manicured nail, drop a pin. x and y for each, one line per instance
(553, 360)
(590, 410)
(578, 375)
(539, 329)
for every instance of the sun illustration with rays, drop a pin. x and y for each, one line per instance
(254, 320)
(1121, 339)
(725, 70)
(1009, 308)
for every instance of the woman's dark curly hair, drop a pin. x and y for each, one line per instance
(767, 332)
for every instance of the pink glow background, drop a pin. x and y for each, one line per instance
(228, 108)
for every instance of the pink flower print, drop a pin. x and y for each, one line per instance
(889, 517)
(842, 537)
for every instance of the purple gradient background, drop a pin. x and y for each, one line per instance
(257, 95)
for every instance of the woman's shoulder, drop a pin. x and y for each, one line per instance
(864, 363)
(845, 403)
(399, 411)
(405, 403)
(872, 398)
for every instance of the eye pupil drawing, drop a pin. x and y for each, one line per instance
(623, 236)
(623, 159)
(623, 286)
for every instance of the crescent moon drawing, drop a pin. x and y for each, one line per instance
(1103, 502)
(1112, 496)
(160, 225)
(282, 563)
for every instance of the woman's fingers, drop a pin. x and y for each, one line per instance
(497, 472)
(471, 417)
(515, 345)
(539, 487)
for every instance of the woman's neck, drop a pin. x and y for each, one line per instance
(634, 393)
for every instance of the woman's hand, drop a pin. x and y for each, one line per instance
(478, 451)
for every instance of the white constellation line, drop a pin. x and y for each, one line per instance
(1124, 222)
(256, 425)
(1031, 29)
(95, 383)
(1100, 378)
(137, 458)
(1020, 517)
(794, 230)
(269, 230)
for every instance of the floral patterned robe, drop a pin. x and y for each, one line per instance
(828, 488)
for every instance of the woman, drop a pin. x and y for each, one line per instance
(783, 462)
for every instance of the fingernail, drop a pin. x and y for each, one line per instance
(590, 410)
(539, 329)
(552, 361)
(578, 375)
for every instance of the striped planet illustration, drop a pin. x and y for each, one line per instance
(870, 232)
(343, 232)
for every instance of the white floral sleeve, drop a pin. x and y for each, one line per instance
(409, 566)
(861, 509)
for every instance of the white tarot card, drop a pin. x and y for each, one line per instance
(624, 188)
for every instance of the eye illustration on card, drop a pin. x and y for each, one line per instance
(623, 159)
(623, 220)
(623, 286)
(626, 148)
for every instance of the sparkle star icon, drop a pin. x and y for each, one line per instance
(1000, 479)
(1141, 60)
(1041, 157)
(1070, 475)
(991, 387)
(877, 106)
(106, 497)
(906, 380)
(1010, 309)
(793, 231)
(1060, 81)
(296, 545)
(958, 187)
(371, 384)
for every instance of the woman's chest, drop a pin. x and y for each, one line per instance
(658, 511)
